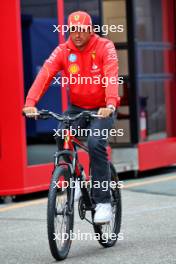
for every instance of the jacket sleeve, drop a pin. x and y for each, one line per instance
(110, 69)
(49, 69)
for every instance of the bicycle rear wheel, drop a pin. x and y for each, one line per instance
(107, 234)
(60, 213)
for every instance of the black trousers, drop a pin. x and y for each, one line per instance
(97, 143)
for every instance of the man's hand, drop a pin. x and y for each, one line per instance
(105, 112)
(30, 111)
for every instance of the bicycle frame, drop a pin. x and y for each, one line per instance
(70, 142)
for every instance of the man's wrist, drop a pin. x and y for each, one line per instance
(30, 102)
(112, 107)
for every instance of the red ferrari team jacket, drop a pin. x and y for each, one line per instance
(95, 70)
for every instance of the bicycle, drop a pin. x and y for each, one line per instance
(67, 170)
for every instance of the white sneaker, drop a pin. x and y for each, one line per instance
(77, 191)
(103, 213)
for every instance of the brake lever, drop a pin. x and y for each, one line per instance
(30, 114)
(96, 115)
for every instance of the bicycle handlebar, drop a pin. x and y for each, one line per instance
(46, 114)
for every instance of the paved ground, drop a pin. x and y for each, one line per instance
(149, 229)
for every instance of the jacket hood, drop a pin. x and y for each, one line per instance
(94, 38)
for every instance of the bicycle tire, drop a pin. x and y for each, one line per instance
(54, 192)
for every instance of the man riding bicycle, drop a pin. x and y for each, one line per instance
(85, 54)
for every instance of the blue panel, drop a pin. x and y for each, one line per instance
(39, 41)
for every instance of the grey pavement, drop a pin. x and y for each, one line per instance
(148, 227)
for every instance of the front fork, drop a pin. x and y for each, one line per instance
(59, 160)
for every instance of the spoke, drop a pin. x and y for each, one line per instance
(60, 219)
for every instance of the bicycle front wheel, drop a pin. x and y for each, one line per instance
(60, 213)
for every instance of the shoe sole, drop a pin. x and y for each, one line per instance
(102, 222)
